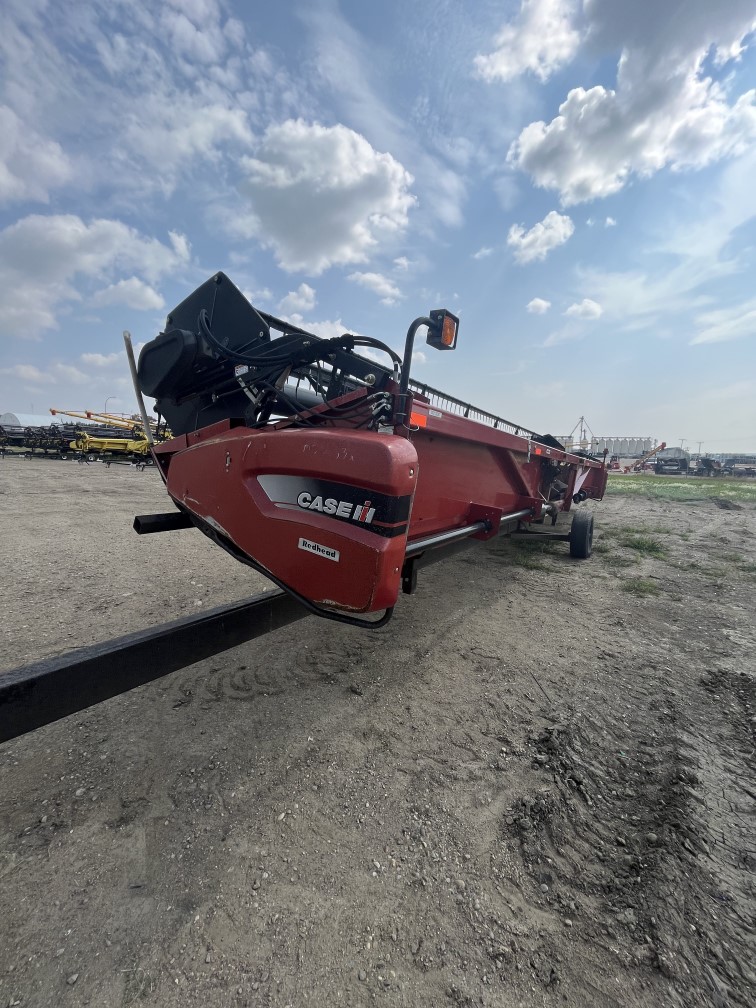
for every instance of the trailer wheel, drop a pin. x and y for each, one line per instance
(581, 535)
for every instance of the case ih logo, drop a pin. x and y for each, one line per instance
(340, 508)
(381, 514)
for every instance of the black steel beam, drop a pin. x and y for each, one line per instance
(39, 694)
(170, 522)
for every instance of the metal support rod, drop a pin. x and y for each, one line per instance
(137, 390)
(38, 694)
(445, 538)
(402, 413)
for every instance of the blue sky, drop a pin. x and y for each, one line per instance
(577, 180)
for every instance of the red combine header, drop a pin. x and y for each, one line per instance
(331, 474)
(335, 476)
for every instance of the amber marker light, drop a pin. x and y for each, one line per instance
(442, 334)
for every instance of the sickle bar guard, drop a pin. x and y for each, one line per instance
(332, 474)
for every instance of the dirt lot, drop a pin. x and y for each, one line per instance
(534, 787)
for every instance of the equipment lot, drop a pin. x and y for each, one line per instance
(535, 786)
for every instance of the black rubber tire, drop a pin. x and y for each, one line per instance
(581, 535)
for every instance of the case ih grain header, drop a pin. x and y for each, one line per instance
(330, 472)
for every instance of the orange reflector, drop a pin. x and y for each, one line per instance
(539, 451)
(449, 331)
(418, 420)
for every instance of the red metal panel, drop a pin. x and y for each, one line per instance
(325, 510)
(329, 510)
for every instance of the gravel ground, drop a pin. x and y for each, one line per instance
(534, 787)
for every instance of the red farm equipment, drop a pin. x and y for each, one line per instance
(336, 477)
(331, 474)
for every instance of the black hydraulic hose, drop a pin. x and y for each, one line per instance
(262, 359)
(370, 342)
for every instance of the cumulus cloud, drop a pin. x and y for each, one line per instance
(554, 230)
(610, 222)
(30, 165)
(322, 196)
(379, 284)
(664, 111)
(483, 253)
(172, 135)
(132, 292)
(402, 263)
(540, 40)
(538, 306)
(585, 309)
(46, 261)
(301, 300)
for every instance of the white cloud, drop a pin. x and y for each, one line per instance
(554, 230)
(402, 263)
(322, 196)
(99, 360)
(170, 135)
(132, 292)
(205, 44)
(56, 373)
(301, 300)
(610, 222)
(327, 329)
(677, 272)
(69, 373)
(379, 284)
(28, 373)
(358, 86)
(538, 306)
(30, 164)
(664, 110)
(44, 260)
(585, 309)
(139, 96)
(539, 40)
(724, 324)
(566, 334)
(483, 253)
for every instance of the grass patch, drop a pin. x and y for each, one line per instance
(641, 587)
(618, 559)
(644, 544)
(683, 488)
